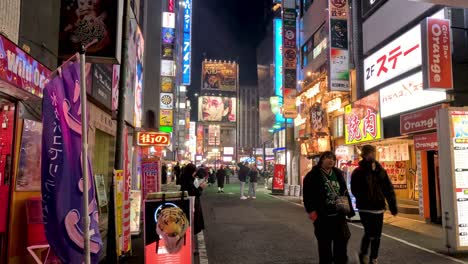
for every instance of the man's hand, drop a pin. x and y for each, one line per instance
(313, 216)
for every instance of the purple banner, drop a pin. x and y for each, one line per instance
(62, 186)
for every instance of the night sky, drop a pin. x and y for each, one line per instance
(226, 30)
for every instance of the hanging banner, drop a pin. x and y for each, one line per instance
(62, 191)
(135, 211)
(200, 139)
(126, 236)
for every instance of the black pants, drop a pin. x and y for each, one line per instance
(227, 178)
(372, 232)
(332, 235)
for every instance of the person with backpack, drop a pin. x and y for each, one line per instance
(371, 186)
(325, 196)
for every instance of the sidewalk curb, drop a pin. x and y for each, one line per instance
(201, 248)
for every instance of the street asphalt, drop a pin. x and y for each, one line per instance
(274, 231)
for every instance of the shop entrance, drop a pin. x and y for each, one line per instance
(434, 186)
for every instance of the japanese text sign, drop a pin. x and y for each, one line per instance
(363, 121)
(419, 121)
(153, 139)
(165, 117)
(407, 94)
(394, 59)
(438, 54)
(278, 178)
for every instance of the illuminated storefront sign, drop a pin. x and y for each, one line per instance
(362, 120)
(407, 94)
(153, 139)
(187, 48)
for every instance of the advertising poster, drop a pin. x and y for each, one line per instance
(362, 120)
(167, 68)
(168, 35)
(200, 139)
(459, 120)
(157, 248)
(167, 84)
(34, 84)
(167, 52)
(214, 134)
(150, 169)
(128, 168)
(165, 118)
(101, 191)
(396, 171)
(140, 49)
(83, 21)
(278, 178)
(115, 88)
(119, 193)
(289, 108)
(29, 169)
(135, 212)
(216, 108)
(167, 100)
(102, 84)
(61, 172)
(219, 76)
(130, 72)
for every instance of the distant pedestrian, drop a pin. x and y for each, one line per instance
(220, 175)
(322, 185)
(253, 177)
(177, 171)
(194, 185)
(243, 172)
(229, 173)
(371, 186)
(164, 173)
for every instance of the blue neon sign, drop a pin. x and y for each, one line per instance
(187, 49)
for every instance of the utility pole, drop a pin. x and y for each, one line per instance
(111, 252)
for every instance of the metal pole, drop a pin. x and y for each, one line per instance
(285, 150)
(357, 46)
(112, 246)
(84, 155)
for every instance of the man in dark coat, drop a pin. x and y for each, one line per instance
(321, 186)
(243, 172)
(190, 184)
(177, 171)
(220, 177)
(371, 186)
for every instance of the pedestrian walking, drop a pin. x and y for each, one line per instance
(371, 186)
(253, 177)
(194, 185)
(243, 172)
(229, 173)
(220, 175)
(323, 193)
(164, 173)
(177, 171)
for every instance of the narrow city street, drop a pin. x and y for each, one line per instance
(272, 230)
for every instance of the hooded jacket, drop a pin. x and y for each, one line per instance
(243, 172)
(372, 187)
(315, 194)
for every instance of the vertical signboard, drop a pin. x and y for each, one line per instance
(187, 48)
(338, 52)
(289, 58)
(167, 73)
(150, 169)
(453, 146)
(278, 178)
(278, 55)
(437, 54)
(200, 139)
(118, 200)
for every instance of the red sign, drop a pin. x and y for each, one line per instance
(150, 174)
(153, 139)
(438, 72)
(419, 121)
(426, 142)
(21, 70)
(278, 178)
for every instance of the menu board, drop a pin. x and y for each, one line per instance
(460, 166)
(396, 171)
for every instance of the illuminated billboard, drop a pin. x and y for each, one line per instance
(219, 76)
(216, 109)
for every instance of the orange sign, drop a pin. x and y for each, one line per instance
(153, 139)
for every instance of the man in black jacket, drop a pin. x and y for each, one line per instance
(243, 172)
(321, 187)
(371, 186)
